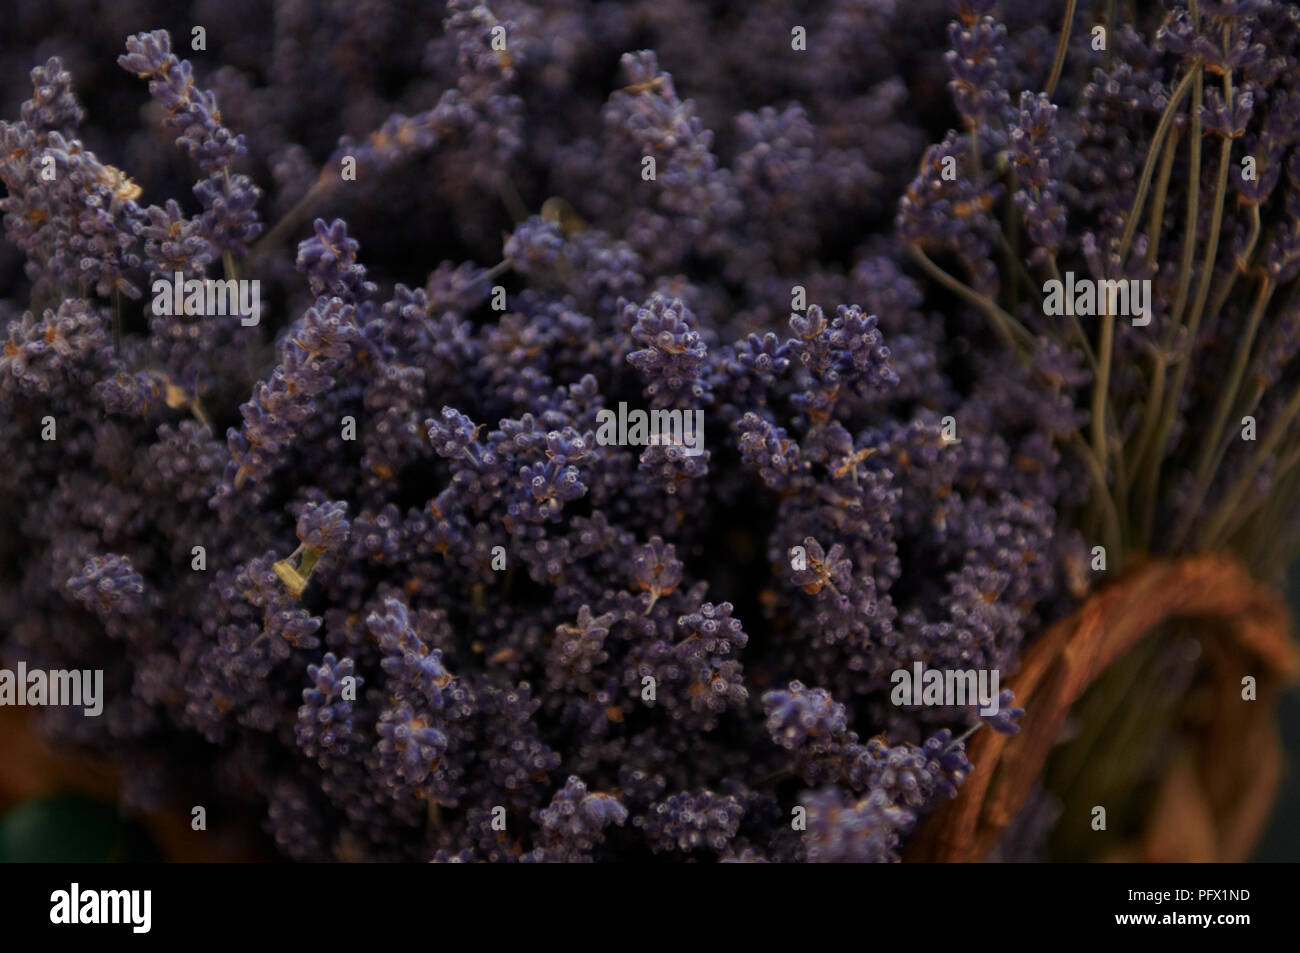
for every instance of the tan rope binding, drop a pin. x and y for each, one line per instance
(1213, 800)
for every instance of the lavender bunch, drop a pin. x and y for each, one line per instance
(396, 567)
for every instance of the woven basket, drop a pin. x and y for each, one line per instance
(1215, 794)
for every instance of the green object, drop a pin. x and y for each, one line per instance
(68, 828)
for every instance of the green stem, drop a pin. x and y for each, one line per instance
(1147, 499)
(1191, 81)
(1216, 220)
(1101, 384)
(1104, 502)
(290, 219)
(1015, 334)
(1228, 395)
(1079, 333)
(1243, 261)
(1210, 258)
(1013, 262)
(1062, 44)
(1233, 498)
(1263, 506)
(1150, 416)
(1270, 561)
(1154, 228)
(1153, 153)
(1191, 215)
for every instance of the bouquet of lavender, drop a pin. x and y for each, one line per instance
(659, 431)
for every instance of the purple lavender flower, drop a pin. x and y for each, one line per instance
(108, 585)
(189, 112)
